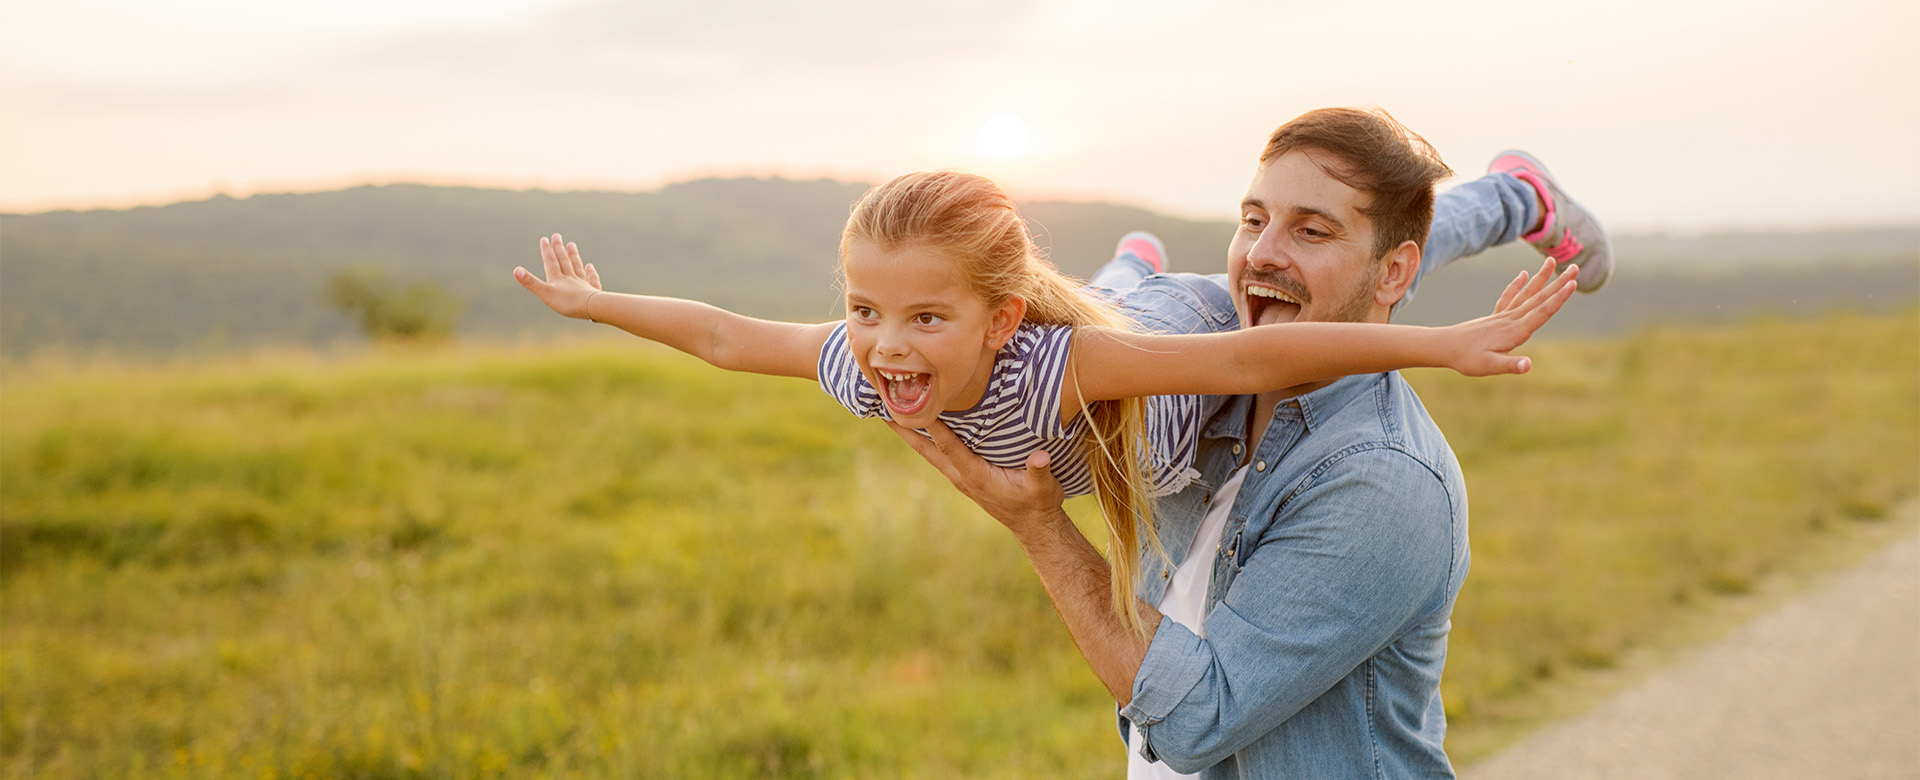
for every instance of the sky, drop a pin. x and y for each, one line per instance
(1669, 115)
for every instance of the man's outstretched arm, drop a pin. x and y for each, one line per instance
(1076, 577)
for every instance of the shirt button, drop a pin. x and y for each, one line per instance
(1165, 574)
(1261, 466)
(1236, 449)
(1206, 499)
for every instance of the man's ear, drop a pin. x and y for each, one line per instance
(1397, 272)
(1006, 320)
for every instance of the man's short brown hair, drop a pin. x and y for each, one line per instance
(1371, 152)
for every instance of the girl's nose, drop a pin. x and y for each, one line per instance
(891, 343)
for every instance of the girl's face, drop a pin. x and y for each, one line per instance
(919, 333)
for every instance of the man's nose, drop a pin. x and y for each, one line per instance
(1268, 250)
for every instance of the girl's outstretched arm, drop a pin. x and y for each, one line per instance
(730, 341)
(1118, 364)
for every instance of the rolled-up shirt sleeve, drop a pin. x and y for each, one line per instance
(1360, 554)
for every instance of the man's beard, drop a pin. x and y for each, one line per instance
(1356, 308)
(1359, 306)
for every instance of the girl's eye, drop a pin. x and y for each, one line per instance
(863, 312)
(927, 319)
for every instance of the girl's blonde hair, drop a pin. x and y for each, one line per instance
(971, 220)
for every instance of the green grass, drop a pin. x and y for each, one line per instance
(602, 561)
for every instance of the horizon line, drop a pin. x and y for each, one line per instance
(225, 191)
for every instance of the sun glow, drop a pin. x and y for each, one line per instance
(1004, 135)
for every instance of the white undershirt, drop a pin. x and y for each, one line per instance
(1186, 602)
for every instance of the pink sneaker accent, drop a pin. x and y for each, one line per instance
(1145, 249)
(1568, 248)
(1568, 233)
(1524, 172)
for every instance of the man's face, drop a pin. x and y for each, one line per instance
(1303, 250)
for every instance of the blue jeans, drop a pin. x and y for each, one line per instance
(1467, 220)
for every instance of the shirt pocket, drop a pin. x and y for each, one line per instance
(1235, 551)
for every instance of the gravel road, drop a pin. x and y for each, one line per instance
(1825, 686)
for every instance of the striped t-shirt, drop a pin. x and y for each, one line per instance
(1020, 411)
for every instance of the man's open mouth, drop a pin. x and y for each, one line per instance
(904, 392)
(1267, 305)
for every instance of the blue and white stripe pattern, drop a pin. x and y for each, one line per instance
(1020, 411)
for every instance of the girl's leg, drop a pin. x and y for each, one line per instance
(1138, 256)
(1476, 216)
(1136, 280)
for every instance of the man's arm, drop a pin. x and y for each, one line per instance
(1076, 577)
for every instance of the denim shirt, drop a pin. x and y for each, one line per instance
(1329, 607)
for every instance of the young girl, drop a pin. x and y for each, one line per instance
(951, 315)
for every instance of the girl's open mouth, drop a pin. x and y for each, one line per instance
(905, 393)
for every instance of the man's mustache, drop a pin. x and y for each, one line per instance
(1286, 284)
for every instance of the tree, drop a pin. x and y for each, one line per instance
(420, 312)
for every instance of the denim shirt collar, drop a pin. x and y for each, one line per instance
(1310, 408)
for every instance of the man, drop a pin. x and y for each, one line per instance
(1315, 562)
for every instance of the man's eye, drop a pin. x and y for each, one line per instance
(927, 319)
(1311, 233)
(1251, 222)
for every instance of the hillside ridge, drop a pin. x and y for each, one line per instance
(230, 272)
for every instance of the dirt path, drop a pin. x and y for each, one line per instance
(1825, 686)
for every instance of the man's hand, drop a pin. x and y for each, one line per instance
(1015, 497)
(1027, 502)
(569, 282)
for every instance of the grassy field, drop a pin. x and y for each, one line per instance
(603, 561)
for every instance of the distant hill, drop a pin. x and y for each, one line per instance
(226, 273)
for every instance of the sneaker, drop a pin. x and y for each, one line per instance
(1568, 232)
(1145, 246)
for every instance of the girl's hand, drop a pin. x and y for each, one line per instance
(1483, 344)
(569, 282)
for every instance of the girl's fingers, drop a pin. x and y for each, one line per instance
(560, 251)
(1556, 298)
(548, 262)
(573, 261)
(1530, 295)
(557, 248)
(1512, 292)
(593, 276)
(1536, 292)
